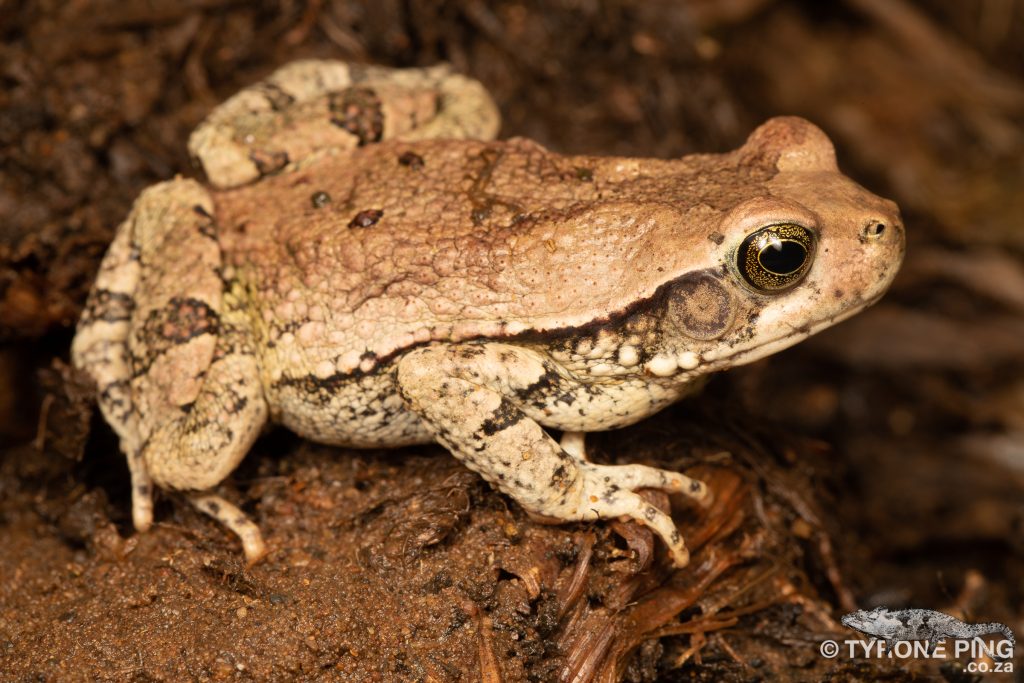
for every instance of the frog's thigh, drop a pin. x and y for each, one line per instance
(147, 325)
(195, 446)
(468, 395)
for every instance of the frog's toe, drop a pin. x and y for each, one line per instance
(632, 477)
(235, 520)
(622, 503)
(142, 494)
(142, 508)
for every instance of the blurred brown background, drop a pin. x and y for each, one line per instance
(881, 462)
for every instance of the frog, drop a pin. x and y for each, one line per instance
(368, 266)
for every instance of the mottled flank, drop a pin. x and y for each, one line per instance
(374, 270)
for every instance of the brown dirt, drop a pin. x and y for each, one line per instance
(879, 463)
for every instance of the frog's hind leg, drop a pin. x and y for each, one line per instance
(311, 107)
(192, 380)
(197, 445)
(475, 398)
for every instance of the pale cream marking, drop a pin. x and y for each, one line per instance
(628, 356)
(662, 366)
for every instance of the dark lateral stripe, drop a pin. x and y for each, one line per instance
(555, 335)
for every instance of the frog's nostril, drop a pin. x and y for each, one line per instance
(874, 230)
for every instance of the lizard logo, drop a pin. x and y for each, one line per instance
(894, 626)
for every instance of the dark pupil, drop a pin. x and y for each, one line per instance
(782, 257)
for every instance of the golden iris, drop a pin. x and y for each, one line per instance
(776, 256)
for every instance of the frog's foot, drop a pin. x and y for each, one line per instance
(632, 477)
(235, 520)
(474, 399)
(608, 492)
(599, 498)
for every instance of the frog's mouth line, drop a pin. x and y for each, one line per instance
(784, 341)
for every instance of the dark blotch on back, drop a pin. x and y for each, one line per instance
(411, 160)
(320, 199)
(365, 219)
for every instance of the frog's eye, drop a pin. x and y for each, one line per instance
(776, 256)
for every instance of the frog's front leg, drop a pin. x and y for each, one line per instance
(475, 398)
(575, 444)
